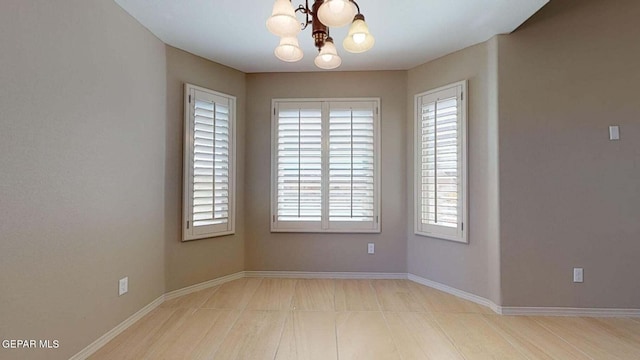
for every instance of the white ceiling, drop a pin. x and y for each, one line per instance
(408, 32)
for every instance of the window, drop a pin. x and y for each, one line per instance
(208, 205)
(440, 163)
(325, 165)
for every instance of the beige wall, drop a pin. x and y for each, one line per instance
(491, 176)
(326, 252)
(192, 262)
(569, 197)
(82, 144)
(466, 267)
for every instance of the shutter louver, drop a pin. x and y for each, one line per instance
(299, 164)
(351, 164)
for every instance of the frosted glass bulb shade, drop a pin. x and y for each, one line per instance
(289, 50)
(336, 6)
(283, 20)
(328, 58)
(328, 65)
(359, 38)
(337, 13)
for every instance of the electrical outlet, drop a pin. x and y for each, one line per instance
(371, 248)
(578, 275)
(123, 286)
(614, 132)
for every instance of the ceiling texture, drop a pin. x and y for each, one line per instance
(408, 32)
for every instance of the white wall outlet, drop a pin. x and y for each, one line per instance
(123, 286)
(371, 248)
(614, 132)
(578, 275)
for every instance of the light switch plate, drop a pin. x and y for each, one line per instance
(123, 286)
(614, 132)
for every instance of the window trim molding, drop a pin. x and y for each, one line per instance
(320, 228)
(462, 235)
(187, 169)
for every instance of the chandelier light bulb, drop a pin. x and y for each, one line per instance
(283, 20)
(289, 50)
(337, 13)
(328, 58)
(359, 38)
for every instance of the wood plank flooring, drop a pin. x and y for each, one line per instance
(308, 319)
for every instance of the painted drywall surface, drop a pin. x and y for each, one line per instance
(82, 113)
(326, 252)
(463, 266)
(569, 197)
(492, 176)
(192, 262)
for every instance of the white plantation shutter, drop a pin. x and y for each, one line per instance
(441, 163)
(352, 159)
(299, 164)
(209, 169)
(440, 193)
(325, 173)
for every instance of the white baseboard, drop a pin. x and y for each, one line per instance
(203, 285)
(324, 275)
(567, 311)
(526, 311)
(455, 292)
(503, 310)
(111, 334)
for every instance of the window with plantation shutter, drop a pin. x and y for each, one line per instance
(440, 156)
(209, 164)
(325, 165)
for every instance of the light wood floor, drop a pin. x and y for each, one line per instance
(298, 319)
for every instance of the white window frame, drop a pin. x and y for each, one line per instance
(324, 226)
(189, 232)
(459, 234)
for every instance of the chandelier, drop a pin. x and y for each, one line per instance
(322, 15)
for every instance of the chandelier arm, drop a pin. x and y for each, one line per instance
(306, 11)
(301, 8)
(356, 4)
